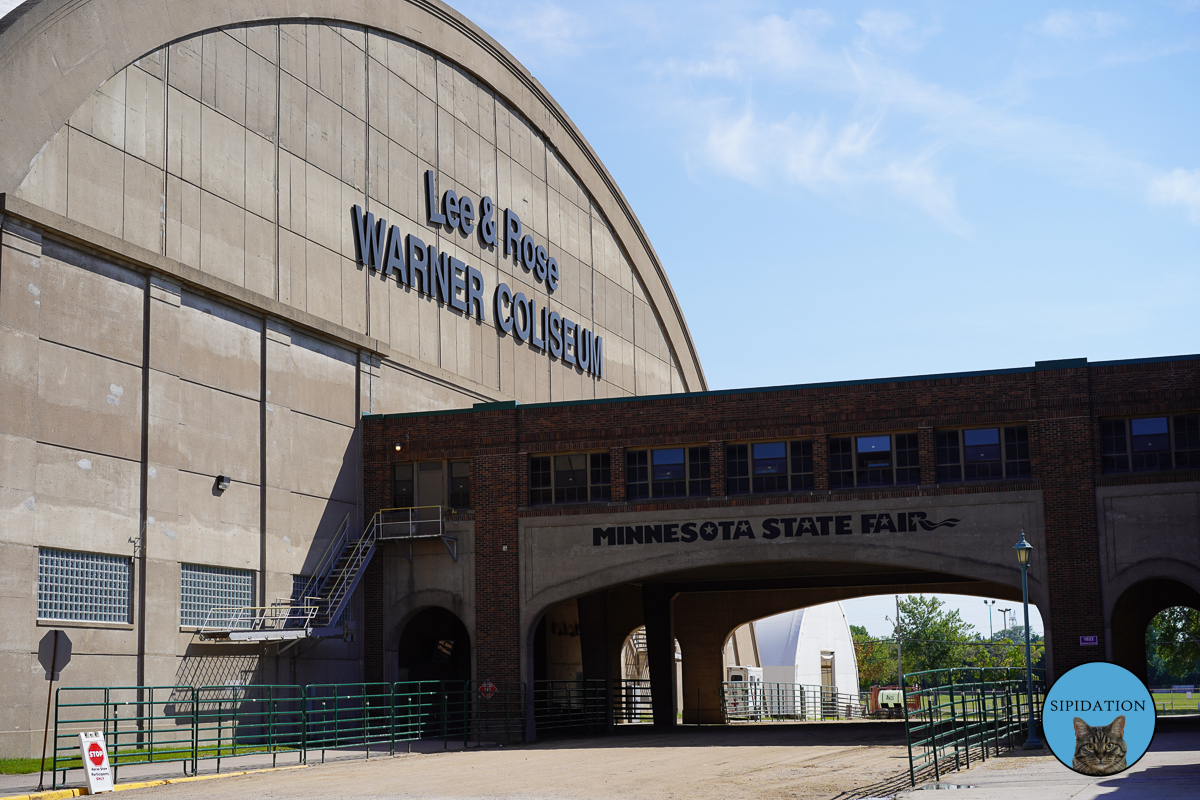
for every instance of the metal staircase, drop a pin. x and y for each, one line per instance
(316, 609)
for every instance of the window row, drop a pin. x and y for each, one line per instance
(972, 454)
(1150, 444)
(93, 587)
(432, 483)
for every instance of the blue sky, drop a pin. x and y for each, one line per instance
(858, 191)
(863, 190)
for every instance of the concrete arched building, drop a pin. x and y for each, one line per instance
(193, 322)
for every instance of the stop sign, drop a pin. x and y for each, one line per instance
(95, 753)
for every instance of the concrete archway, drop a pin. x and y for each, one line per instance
(1134, 610)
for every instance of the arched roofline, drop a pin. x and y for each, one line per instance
(55, 53)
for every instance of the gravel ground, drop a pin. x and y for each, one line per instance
(777, 761)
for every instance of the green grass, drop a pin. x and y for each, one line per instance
(132, 755)
(21, 766)
(1177, 703)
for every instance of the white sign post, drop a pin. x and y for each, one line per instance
(94, 755)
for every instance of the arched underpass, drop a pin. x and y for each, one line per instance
(699, 608)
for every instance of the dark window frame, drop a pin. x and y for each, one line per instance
(852, 468)
(689, 477)
(744, 476)
(1009, 458)
(594, 478)
(1119, 446)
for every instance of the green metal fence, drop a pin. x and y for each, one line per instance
(965, 713)
(570, 707)
(185, 724)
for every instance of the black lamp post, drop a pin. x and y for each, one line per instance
(1024, 552)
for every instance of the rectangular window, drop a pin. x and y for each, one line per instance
(802, 466)
(202, 588)
(600, 467)
(699, 479)
(908, 460)
(986, 454)
(874, 461)
(670, 472)
(83, 587)
(403, 486)
(571, 478)
(1187, 441)
(460, 485)
(1151, 444)
(541, 486)
(981, 455)
(770, 467)
(1114, 448)
(1016, 453)
(737, 469)
(948, 459)
(637, 474)
(841, 464)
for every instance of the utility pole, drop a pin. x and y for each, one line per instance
(1004, 615)
(899, 646)
(991, 631)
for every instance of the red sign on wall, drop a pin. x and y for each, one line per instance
(487, 689)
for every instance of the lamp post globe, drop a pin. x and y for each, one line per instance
(1024, 550)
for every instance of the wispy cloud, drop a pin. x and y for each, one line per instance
(1179, 187)
(892, 30)
(1081, 24)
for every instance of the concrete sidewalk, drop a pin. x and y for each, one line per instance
(136, 773)
(1170, 770)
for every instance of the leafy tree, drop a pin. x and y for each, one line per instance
(876, 659)
(1173, 645)
(932, 638)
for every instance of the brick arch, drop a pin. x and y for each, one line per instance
(1134, 610)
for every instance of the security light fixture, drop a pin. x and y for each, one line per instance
(399, 447)
(222, 482)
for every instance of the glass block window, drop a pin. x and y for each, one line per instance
(908, 460)
(985, 454)
(841, 463)
(802, 465)
(84, 587)
(202, 588)
(570, 478)
(403, 491)
(947, 457)
(460, 484)
(1150, 444)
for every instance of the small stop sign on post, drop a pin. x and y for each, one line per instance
(487, 689)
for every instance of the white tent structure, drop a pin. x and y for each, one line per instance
(809, 647)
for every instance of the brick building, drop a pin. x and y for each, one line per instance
(694, 513)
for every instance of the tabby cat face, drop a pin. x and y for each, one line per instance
(1099, 749)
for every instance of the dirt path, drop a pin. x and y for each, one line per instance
(778, 761)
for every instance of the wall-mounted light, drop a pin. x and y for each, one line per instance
(222, 482)
(399, 447)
